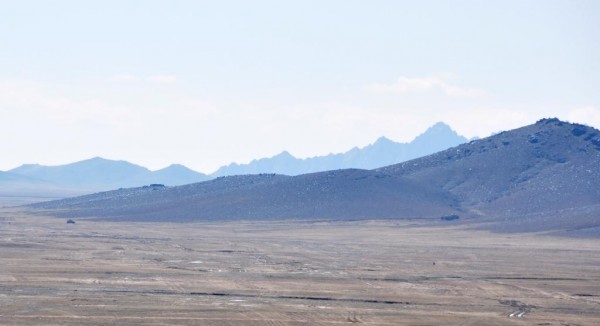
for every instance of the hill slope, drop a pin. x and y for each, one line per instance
(342, 194)
(545, 175)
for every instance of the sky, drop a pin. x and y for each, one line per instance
(207, 83)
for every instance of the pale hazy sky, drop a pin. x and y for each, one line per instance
(206, 83)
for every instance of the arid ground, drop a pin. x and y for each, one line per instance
(290, 273)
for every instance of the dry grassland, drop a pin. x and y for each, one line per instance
(290, 273)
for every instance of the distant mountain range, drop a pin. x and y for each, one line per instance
(381, 153)
(92, 175)
(542, 177)
(98, 174)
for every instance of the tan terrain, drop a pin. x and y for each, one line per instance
(290, 273)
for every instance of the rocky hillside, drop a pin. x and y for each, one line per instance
(546, 173)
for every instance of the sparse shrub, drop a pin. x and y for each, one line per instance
(533, 139)
(578, 130)
(450, 217)
(591, 136)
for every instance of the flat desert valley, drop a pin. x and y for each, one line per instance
(291, 273)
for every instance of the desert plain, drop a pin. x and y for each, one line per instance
(291, 273)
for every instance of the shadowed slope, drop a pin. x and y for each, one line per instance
(342, 194)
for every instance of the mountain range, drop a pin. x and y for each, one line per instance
(541, 177)
(98, 174)
(381, 153)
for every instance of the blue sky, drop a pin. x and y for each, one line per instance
(206, 83)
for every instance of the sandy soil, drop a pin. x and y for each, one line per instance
(290, 273)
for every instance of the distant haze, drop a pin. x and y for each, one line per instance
(207, 83)
(381, 153)
(99, 174)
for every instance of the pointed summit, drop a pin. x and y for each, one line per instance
(439, 136)
(284, 155)
(439, 128)
(383, 141)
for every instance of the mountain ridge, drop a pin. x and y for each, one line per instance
(102, 174)
(380, 153)
(99, 174)
(538, 178)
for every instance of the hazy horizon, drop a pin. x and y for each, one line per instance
(205, 84)
(230, 163)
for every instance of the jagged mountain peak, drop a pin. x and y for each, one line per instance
(440, 125)
(383, 141)
(284, 154)
(438, 130)
(383, 151)
(98, 173)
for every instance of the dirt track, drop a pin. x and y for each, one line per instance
(290, 273)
